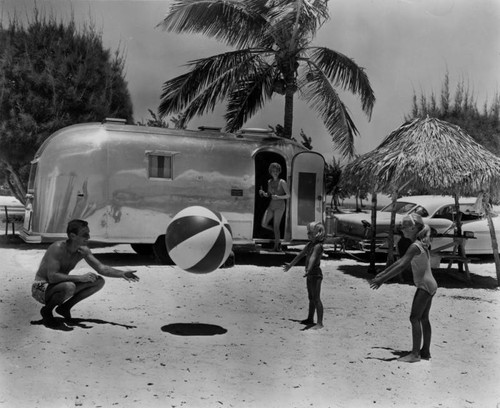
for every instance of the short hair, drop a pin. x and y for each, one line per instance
(318, 230)
(74, 226)
(273, 166)
(424, 231)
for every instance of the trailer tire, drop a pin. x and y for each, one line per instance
(143, 249)
(160, 251)
(230, 261)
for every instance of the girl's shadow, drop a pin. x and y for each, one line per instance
(397, 353)
(307, 326)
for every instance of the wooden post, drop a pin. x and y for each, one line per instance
(390, 238)
(372, 269)
(458, 231)
(494, 243)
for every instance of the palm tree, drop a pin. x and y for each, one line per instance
(273, 55)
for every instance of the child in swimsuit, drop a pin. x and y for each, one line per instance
(418, 257)
(314, 276)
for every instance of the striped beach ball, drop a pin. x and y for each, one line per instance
(199, 240)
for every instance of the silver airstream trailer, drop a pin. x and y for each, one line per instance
(128, 182)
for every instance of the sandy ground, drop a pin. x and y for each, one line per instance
(231, 338)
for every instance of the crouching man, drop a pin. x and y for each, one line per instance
(54, 287)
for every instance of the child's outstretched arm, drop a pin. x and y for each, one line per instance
(387, 274)
(298, 257)
(396, 268)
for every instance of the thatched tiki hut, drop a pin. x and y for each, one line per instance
(433, 156)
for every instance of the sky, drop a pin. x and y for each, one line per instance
(405, 46)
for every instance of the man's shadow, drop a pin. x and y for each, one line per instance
(397, 353)
(62, 324)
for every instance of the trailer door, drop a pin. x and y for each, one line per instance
(306, 201)
(28, 207)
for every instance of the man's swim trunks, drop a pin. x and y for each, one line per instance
(38, 289)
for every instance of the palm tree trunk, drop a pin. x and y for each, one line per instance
(15, 184)
(288, 119)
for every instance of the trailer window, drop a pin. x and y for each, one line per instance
(160, 166)
(306, 195)
(31, 181)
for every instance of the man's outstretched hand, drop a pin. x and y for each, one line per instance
(130, 276)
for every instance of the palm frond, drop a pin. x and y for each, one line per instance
(249, 96)
(299, 19)
(234, 22)
(310, 14)
(221, 86)
(342, 71)
(321, 96)
(216, 72)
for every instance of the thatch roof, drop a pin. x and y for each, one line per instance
(427, 153)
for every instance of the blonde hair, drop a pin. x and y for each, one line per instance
(424, 231)
(273, 166)
(318, 230)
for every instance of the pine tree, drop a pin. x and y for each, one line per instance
(461, 109)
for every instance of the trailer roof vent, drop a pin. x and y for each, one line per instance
(116, 121)
(257, 132)
(210, 128)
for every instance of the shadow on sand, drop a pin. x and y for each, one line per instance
(193, 329)
(61, 324)
(445, 279)
(14, 241)
(396, 353)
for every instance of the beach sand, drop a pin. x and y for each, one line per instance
(231, 338)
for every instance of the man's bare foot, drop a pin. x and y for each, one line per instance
(51, 322)
(409, 358)
(60, 310)
(425, 355)
(57, 324)
(46, 313)
(317, 326)
(307, 321)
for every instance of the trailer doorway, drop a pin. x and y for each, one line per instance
(262, 162)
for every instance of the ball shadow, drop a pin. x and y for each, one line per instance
(193, 329)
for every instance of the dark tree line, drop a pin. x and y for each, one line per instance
(52, 75)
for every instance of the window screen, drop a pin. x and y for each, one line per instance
(31, 181)
(160, 166)
(306, 198)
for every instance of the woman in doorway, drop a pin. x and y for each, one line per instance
(277, 190)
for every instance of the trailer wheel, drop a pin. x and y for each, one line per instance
(230, 261)
(160, 251)
(142, 249)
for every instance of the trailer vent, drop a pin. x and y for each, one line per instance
(210, 128)
(115, 121)
(266, 133)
